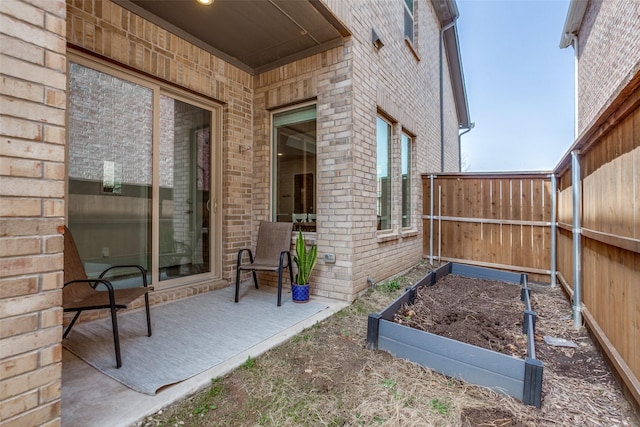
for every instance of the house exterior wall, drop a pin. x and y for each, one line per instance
(351, 85)
(108, 30)
(32, 176)
(608, 56)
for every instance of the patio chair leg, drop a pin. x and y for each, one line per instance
(280, 288)
(146, 303)
(237, 283)
(255, 278)
(116, 337)
(73, 321)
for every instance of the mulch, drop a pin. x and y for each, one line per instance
(577, 381)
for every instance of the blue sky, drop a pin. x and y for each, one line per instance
(519, 84)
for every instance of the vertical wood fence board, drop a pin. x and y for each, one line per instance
(495, 192)
(636, 197)
(518, 199)
(628, 174)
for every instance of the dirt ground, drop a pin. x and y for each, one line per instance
(484, 313)
(325, 376)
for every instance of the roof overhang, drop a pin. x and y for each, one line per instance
(447, 12)
(572, 23)
(255, 36)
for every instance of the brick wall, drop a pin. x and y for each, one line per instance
(111, 31)
(352, 84)
(32, 172)
(603, 70)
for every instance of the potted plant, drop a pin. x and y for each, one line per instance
(305, 261)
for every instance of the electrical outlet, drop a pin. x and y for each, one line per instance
(105, 252)
(329, 258)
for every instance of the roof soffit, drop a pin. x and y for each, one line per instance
(255, 35)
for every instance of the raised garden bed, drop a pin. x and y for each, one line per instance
(514, 376)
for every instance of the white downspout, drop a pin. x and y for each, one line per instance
(574, 42)
(442, 30)
(468, 129)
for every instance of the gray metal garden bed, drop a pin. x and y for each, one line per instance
(510, 375)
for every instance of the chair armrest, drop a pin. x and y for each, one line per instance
(143, 272)
(240, 252)
(284, 254)
(94, 284)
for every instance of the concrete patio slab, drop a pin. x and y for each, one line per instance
(90, 398)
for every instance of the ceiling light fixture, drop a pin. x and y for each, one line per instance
(205, 2)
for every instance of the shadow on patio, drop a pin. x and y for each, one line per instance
(90, 397)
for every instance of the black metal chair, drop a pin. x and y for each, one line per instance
(81, 293)
(272, 254)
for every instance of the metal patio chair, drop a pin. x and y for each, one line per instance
(81, 293)
(272, 254)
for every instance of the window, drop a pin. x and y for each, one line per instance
(294, 193)
(405, 155)
(140, 174)
(408, 20)
(383, 173)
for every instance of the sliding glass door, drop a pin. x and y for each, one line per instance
(140, 175)
(185, 175)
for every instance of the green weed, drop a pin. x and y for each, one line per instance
(203, 409)
(249, 363)
(440, 406)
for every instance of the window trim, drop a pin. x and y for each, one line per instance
(410, 151)
(411, 43)
(411, 14)
(390, 169)
(274, 154)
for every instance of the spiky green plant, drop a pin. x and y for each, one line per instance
(305, 260)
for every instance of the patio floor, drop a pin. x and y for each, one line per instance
(90, 398)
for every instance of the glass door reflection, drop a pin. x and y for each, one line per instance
(185, 180)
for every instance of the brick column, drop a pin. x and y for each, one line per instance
(32, 171)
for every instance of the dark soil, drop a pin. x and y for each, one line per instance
(484, 313)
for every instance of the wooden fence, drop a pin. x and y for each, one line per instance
(504, 221)
(609, 160)
(492, 220)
